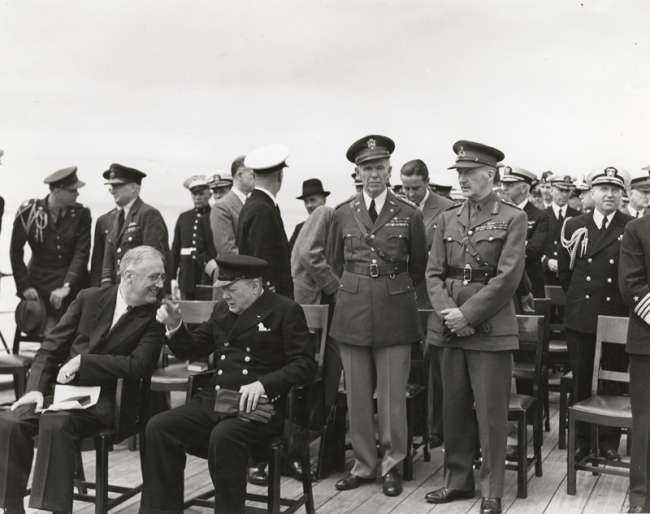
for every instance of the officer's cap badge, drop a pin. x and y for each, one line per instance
(372, 144)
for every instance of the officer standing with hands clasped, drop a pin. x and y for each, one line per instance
(379, 251)
(475, 264)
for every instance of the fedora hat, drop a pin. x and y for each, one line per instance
(312, 186)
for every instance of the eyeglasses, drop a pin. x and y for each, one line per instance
(157, 277)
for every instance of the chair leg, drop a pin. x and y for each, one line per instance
(522, 456)
(538, 437)
(80, 474)
(546, 413)
(595, 448)
(306, 480)
(101, 476)
(407, 471)
(274, 478)
(571, 457)
(562, 415)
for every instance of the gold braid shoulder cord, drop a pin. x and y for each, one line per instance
(37, 216)
(574, 242)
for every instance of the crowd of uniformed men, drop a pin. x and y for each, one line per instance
(375, 259)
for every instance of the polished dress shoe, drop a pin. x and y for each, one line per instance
(637, 508)
(581, 453)
(435, 441)
(491, 506)
(257, 476)
(392, 483)
(444, 495)
(610, 454)
(350, 481)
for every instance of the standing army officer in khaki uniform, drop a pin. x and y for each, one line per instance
(379, 252)
(475, 264)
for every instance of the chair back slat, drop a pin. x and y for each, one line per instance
(542, 307)
(555, 294)
(317, 317)
(611, 330)
(196, 311)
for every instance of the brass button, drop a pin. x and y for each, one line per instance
(119, 250)
(226, 344)
(248, 349)
(247, 359)
(244, 372)
(219, 372)
(588, 278)
(612, 261)
(589, 259)
(130, 238)
(470, 232)
(609, 280)
(372, 236)
(223, 357)
(608, 299)
(554, 254)
(587, 296)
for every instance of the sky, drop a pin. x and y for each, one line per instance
(176, 88)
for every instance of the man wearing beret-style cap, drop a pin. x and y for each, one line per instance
(57, 229)
(588, 273)
(262, 348)
(135, 223)
(517, 183)
(260, 231)
(475, 264)
(378, 249)
(192, 252)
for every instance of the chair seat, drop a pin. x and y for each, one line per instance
(13, 361)
(557, 346)
(606, 406)
(520, 402)
(172, 375)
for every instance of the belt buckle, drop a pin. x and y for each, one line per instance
(467, 274)
(374, 270)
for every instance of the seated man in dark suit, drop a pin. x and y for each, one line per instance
(106, 333)
(262, 348)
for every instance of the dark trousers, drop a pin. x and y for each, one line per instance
(640, 458)
(59, 434)
(581, 356)
(195, 428)
(476, 388)
(434, 392)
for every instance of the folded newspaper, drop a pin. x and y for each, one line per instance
(67, 397)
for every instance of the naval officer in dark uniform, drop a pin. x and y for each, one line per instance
(192, 253)
(588, 272)
(135, 223)
(57, 229)
(260, 230)
(102, 228)
(475, 264)
(378, 248)
(262, 347)
(517, 183)
(634, 284)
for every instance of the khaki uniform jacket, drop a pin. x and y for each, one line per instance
(379, 311)
(494, 237)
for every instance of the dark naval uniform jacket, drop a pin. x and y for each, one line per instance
(553, 246)
(379, 265)
(536, 236)
(261, 233)
(268, 342)
(591, 284)
(192, 249)
(475, 264)
(634, 283)
(102, 227)
(60, 250)
(144, 225)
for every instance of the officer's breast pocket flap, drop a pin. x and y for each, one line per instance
(349, 283)
(400, 284)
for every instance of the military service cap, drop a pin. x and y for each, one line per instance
(370, 148)
(518, 175)
(564, 182)
(610, 175)
(67, 177)
(238, 267)
(217, 181)
(118, 174)
(267, 159)
(475, 155)
(196, 182)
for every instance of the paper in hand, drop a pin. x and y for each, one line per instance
(67, 397)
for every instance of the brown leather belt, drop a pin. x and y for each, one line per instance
(469, 274)
(376, 270)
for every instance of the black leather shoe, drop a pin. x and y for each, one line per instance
(491, 506)
(581, 453)
(350, 481)
(637, 508)
(392, 483)
(610, 454)
(444, 495)
(258, 476)
(435, 441)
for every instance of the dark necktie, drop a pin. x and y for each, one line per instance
(372, 211)
(120, 221)
(603, 227)
(561, 217)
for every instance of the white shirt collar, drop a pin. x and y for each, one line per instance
(239, 194)
(557, 210)
(598, 218)
(379, 200)
(128, 206)
(268, 193)
(424, 200)
(523, 204)
(120, 307)
(634, 213)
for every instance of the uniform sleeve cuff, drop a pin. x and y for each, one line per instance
(642, 308)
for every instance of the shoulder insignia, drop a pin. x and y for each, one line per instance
(26, 206)
(508, 202)
(345, 202)
(454, 206)
(405, 201)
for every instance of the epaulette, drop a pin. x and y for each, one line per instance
(508, 202)
(455, 206)
(345, 202)
(405, 200)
